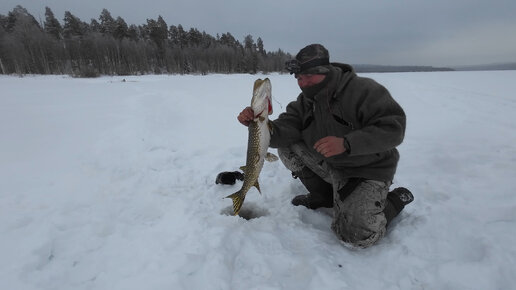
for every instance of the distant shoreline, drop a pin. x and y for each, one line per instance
(370, 68)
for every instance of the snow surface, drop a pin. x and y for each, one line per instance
(106, 184)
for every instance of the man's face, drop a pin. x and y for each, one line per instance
(305, 81)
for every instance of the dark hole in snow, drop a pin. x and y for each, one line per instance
(248, 211)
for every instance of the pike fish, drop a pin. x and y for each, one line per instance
(257, 143)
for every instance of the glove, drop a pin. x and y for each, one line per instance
(227, 177)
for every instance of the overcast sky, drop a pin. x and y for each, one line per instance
(387, 32)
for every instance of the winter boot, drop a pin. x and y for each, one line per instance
(396, 201)
(320, 192)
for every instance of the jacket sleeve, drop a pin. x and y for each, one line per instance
(286, 129)
(382, 118)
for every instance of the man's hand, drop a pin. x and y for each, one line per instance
(246, 116)
(330, 146)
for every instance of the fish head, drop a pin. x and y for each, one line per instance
(261, 103)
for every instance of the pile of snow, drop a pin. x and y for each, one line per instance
(108, 183)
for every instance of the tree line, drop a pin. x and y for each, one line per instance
(109, 46)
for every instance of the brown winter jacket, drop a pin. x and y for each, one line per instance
(356, 108)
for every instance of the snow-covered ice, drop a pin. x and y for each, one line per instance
(109, 184)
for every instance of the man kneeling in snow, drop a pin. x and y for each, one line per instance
(339, 138)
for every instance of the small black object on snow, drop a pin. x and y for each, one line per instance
(228, 177)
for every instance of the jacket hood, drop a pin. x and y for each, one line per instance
(341, 75)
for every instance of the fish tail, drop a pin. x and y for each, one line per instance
(238, 199)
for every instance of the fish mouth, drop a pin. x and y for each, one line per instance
(262, 99)
(268, 108)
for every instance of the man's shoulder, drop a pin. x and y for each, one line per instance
(348, 74)
(362, 89)
(344, 67)
(365, 83)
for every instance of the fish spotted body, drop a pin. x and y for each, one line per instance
(258, 141)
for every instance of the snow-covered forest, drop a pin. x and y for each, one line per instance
(110, 46)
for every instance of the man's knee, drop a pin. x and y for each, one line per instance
(290, 159)
(355, 230)
(359, 218)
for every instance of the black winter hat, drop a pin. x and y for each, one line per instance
(312, 59)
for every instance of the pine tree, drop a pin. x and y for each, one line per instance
(229, 40)
(133, 32)
(162, 28)
(22, 18)
(259, 43)
(194, 37)
(52, 25)
(3, 22)
(24, 48)
(250, 56)
(107, 23)
(181, 36)
(249, 43)
(121, 29)
(94, 25)
(73, 26)
(156, 32)
(173, 34)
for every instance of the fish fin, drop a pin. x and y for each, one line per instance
(238, 199)
(271, 157)
(269, 124)
(261, 118)
(243, 168)
(257, 185)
